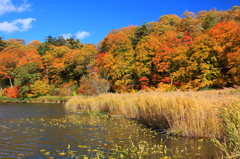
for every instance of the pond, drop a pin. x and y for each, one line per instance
(48, 131)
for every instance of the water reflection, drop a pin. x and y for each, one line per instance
(46, 130)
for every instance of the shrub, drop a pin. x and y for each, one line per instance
(12, 92)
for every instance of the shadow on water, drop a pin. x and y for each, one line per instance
(47, 131)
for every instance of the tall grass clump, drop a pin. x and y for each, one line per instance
(193, 114)
(230, 143)
(181, 113)
(114, 104)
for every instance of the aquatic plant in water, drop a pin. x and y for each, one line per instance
(115, 142)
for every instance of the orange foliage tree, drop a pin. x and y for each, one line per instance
(119, 61)
(191, 52)
(170, 55)
(11, 92)
(225, 38)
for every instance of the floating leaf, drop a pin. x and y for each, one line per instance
(46, 153)
(42, 150)
(20, 154)
(62, 153)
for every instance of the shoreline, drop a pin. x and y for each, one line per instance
(160, 131)
(190, 114)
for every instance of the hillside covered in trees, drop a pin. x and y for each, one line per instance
(195, 51)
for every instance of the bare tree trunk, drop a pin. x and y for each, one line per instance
(10, 81)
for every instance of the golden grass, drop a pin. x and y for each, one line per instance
(50, 99)
(193, 114)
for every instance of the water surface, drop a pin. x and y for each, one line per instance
(47, 131)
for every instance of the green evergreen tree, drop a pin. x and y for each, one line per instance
(104, 47)
(139, 33)
(2, 44)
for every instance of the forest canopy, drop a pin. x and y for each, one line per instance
(195, 51)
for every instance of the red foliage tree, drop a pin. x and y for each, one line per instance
(143, 83)
(11, 92)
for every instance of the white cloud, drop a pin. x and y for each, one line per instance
(67, 36)
(79, 35)
(6, 6)
(17, 25)
(82, 34)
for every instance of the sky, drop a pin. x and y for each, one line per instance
(89, 20)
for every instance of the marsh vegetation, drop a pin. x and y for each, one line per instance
(204, 114)
(191, 114)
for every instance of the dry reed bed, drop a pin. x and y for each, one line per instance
(193, 114)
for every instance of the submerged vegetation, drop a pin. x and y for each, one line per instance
(98, 137)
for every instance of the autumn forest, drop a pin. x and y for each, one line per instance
(193, 52)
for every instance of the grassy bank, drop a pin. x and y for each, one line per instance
(5, 99)
(41, 99)
(50, 99)
(193, 114)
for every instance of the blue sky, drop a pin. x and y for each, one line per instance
(89, 20)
